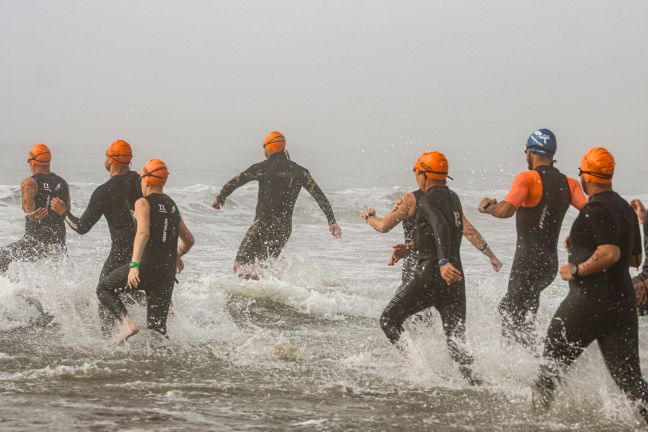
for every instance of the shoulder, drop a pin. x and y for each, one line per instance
(528, 177)
(142, 203)
(595, 212)
(29, 182)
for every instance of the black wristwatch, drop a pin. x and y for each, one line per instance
(574, 271)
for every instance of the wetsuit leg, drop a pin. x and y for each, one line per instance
(110, 288)
(263, 241)
(159, 291)
(22, 250)
(520, 305)
(620, 348)
(409, 268)
(453, 317)
(115, 260)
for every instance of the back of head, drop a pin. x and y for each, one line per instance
(155, 173)
(120, 152)
(275, 142)
(39, 155)
(597, 166)
(434, 165)
(542, 143)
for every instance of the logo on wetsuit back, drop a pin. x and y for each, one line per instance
(543, 216)
(165, 230)
(457, 217)
(162, 209)
(46, 187)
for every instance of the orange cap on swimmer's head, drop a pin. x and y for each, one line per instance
(597, 166)
(433, 164)
(275, 142)
(120, 152)
(155, 173)
(39, 154)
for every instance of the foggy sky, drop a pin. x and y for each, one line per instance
(360, 88)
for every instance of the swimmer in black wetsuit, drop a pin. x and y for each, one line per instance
(115, 200)
(600, 306)
(640, 281)
(540, 199)
(438, 281)
(280, 181)
(44, 230)
(157, 254)
(405, 210)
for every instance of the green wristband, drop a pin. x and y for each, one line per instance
(134, 264)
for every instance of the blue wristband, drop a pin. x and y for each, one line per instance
(443, 262)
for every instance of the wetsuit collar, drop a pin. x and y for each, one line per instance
(278, 155)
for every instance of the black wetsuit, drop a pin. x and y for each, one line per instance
(157, 269)
(46, 238)
(409, 231)
(115, 200)
(643, 275)
(535, 263)
(280, 181)
(439, 232)
(599, 307)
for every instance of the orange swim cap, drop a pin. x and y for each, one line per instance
(155, 173)
(433, 164)
(597, 166)
(39, 154)
(120, 152)
(275, 142)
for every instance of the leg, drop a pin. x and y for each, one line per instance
(115, 260)
(409, 268)
(410, 298)
(22, 250)
(620, 349)
(108, 292)
(276, 238)
(250, 250)
(159, 296)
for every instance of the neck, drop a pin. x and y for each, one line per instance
(40, 169)
(116, 170)
(597, 188)
(539, 161)
(429, 184)
(153, 190)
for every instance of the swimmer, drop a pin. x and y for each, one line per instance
(540, 199)
(640, 282)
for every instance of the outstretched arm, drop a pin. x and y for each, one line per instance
(474, 236)
(90, 217)
(323, 202)
(250, 174)
(405, 206)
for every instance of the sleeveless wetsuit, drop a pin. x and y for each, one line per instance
(599, 307)
(157, 269)
(45, 238)
(409, 231)
(280, 181)
(439, 232)
(535, 263)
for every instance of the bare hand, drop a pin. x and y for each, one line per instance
(180, 265)
(450, 274)
(37, 215)
(217, 204)
(565, 272)
(399, 252)
(133, 278)
(58, 206)
(497, 264)
(639, 208)
(567, 243)
(641, 293)
(335, 230)
(486, 204)
(367, 213)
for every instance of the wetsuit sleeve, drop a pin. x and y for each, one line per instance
(253, 173)
(578, 199)
(318, 195)
(644, 270)
(90, 217)
(595, 223)
(521, 189)
(440, 226)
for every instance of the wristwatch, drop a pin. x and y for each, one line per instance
(574, 270)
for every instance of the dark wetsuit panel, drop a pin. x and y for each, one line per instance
(599, 307)
(535, 263)
(439, 232)
(280, 181)
(157, 269)
(47, 237)
(643, 276)
(409, 231)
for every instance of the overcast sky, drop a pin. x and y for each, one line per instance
(360, 88)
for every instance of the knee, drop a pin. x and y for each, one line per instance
(391, 328)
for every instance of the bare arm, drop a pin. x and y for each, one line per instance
(502, 209)
(405, 207)
(187, 239)
(143, 217)
(477, 240)
(29, 189)
(604, 257)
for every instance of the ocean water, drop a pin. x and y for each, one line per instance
(301, 349)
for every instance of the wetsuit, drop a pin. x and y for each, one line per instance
(535, 263)
(599, 307)
(439, 232)
(45, 238)
(115, 200)
(643, 276)
(409, 231)
(280, 181)
(157, 269)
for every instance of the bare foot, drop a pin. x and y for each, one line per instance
(128, 328)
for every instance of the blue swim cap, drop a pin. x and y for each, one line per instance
(542, 143)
